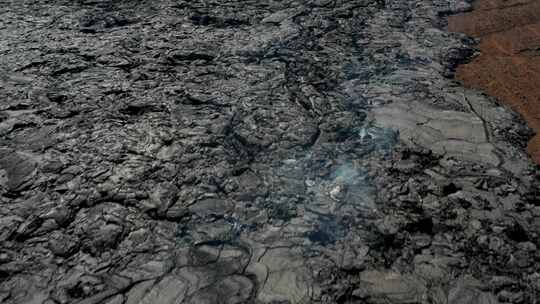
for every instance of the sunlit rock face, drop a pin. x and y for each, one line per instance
(256, 152)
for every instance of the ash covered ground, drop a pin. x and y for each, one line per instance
(256, 152)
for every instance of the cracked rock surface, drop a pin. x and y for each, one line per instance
(256, 152)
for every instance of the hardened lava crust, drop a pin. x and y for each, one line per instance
(256, 151)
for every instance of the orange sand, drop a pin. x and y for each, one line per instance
(509, 64)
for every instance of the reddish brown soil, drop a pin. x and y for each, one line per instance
(509, 64)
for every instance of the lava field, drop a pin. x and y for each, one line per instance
(268, 152)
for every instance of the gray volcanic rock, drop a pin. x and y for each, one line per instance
(390, 287)
(256, 152)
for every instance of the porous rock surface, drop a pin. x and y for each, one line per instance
(256, 152)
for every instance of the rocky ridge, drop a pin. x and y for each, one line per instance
(256, 152)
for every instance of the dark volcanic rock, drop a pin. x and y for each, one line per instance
(255, 152)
